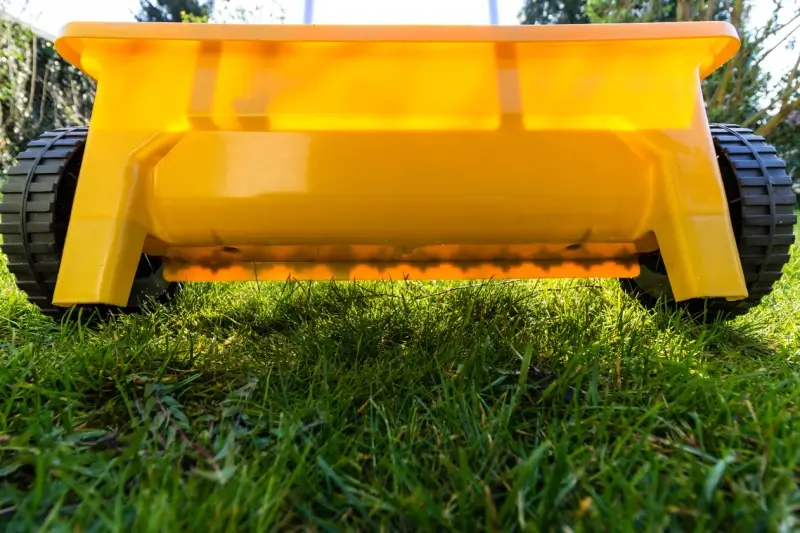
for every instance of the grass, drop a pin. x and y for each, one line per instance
(534, 406)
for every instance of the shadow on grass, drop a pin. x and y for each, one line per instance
(235, 330)
(368, 338)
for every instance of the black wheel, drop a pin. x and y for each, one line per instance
(761, 205)
(34, 215)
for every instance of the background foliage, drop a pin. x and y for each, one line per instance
(38, 90)
(174, 10)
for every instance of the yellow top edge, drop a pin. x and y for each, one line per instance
(386, 33)
(70, 43)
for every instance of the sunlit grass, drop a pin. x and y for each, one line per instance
(406, 406)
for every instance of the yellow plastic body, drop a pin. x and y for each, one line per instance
(245, 152)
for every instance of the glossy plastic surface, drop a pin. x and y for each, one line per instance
(262, 152)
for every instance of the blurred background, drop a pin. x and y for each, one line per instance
(760, 88)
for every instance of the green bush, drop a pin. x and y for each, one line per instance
(39, 91)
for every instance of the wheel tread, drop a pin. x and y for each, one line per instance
(28, 217)
(766, 203)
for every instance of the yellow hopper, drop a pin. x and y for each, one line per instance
(247, 152)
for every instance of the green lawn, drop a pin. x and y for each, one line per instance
(410, 407)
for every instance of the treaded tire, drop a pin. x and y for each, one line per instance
(34, 216)
(761, 205)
